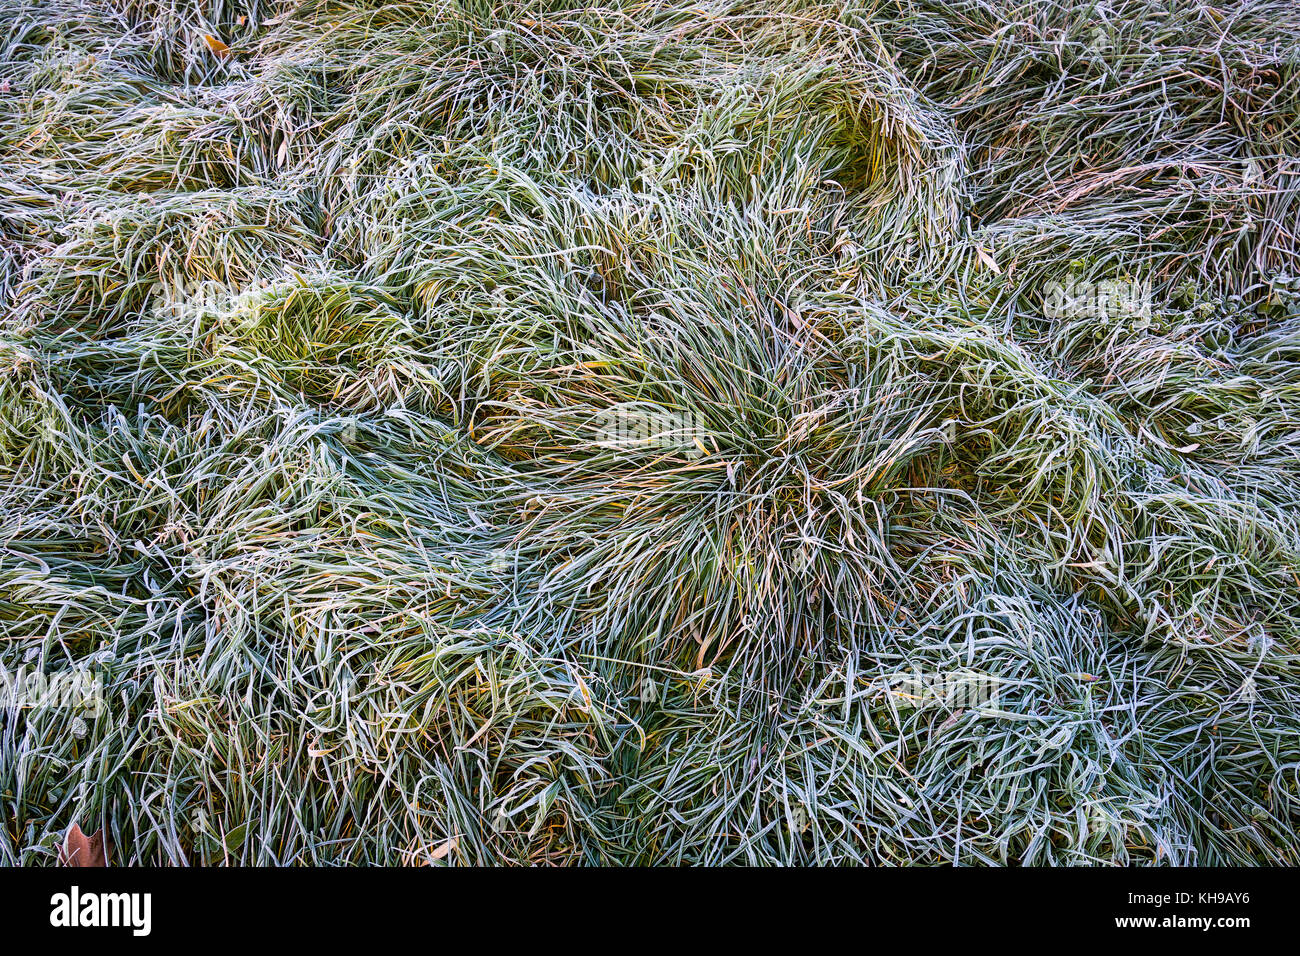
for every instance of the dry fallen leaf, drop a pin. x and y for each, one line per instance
(988, 260)
(216, 45)
(81, 850)
(441, 851)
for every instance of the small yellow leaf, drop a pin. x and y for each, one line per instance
(216, 45)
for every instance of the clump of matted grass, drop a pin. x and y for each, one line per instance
(558, 433)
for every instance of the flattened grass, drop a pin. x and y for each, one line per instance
(313, 346)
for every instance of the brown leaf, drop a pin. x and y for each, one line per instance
(444, 849)
(987, 259)
(216, 45)
(81, 850)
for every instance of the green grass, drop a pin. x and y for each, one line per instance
(550, 433)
